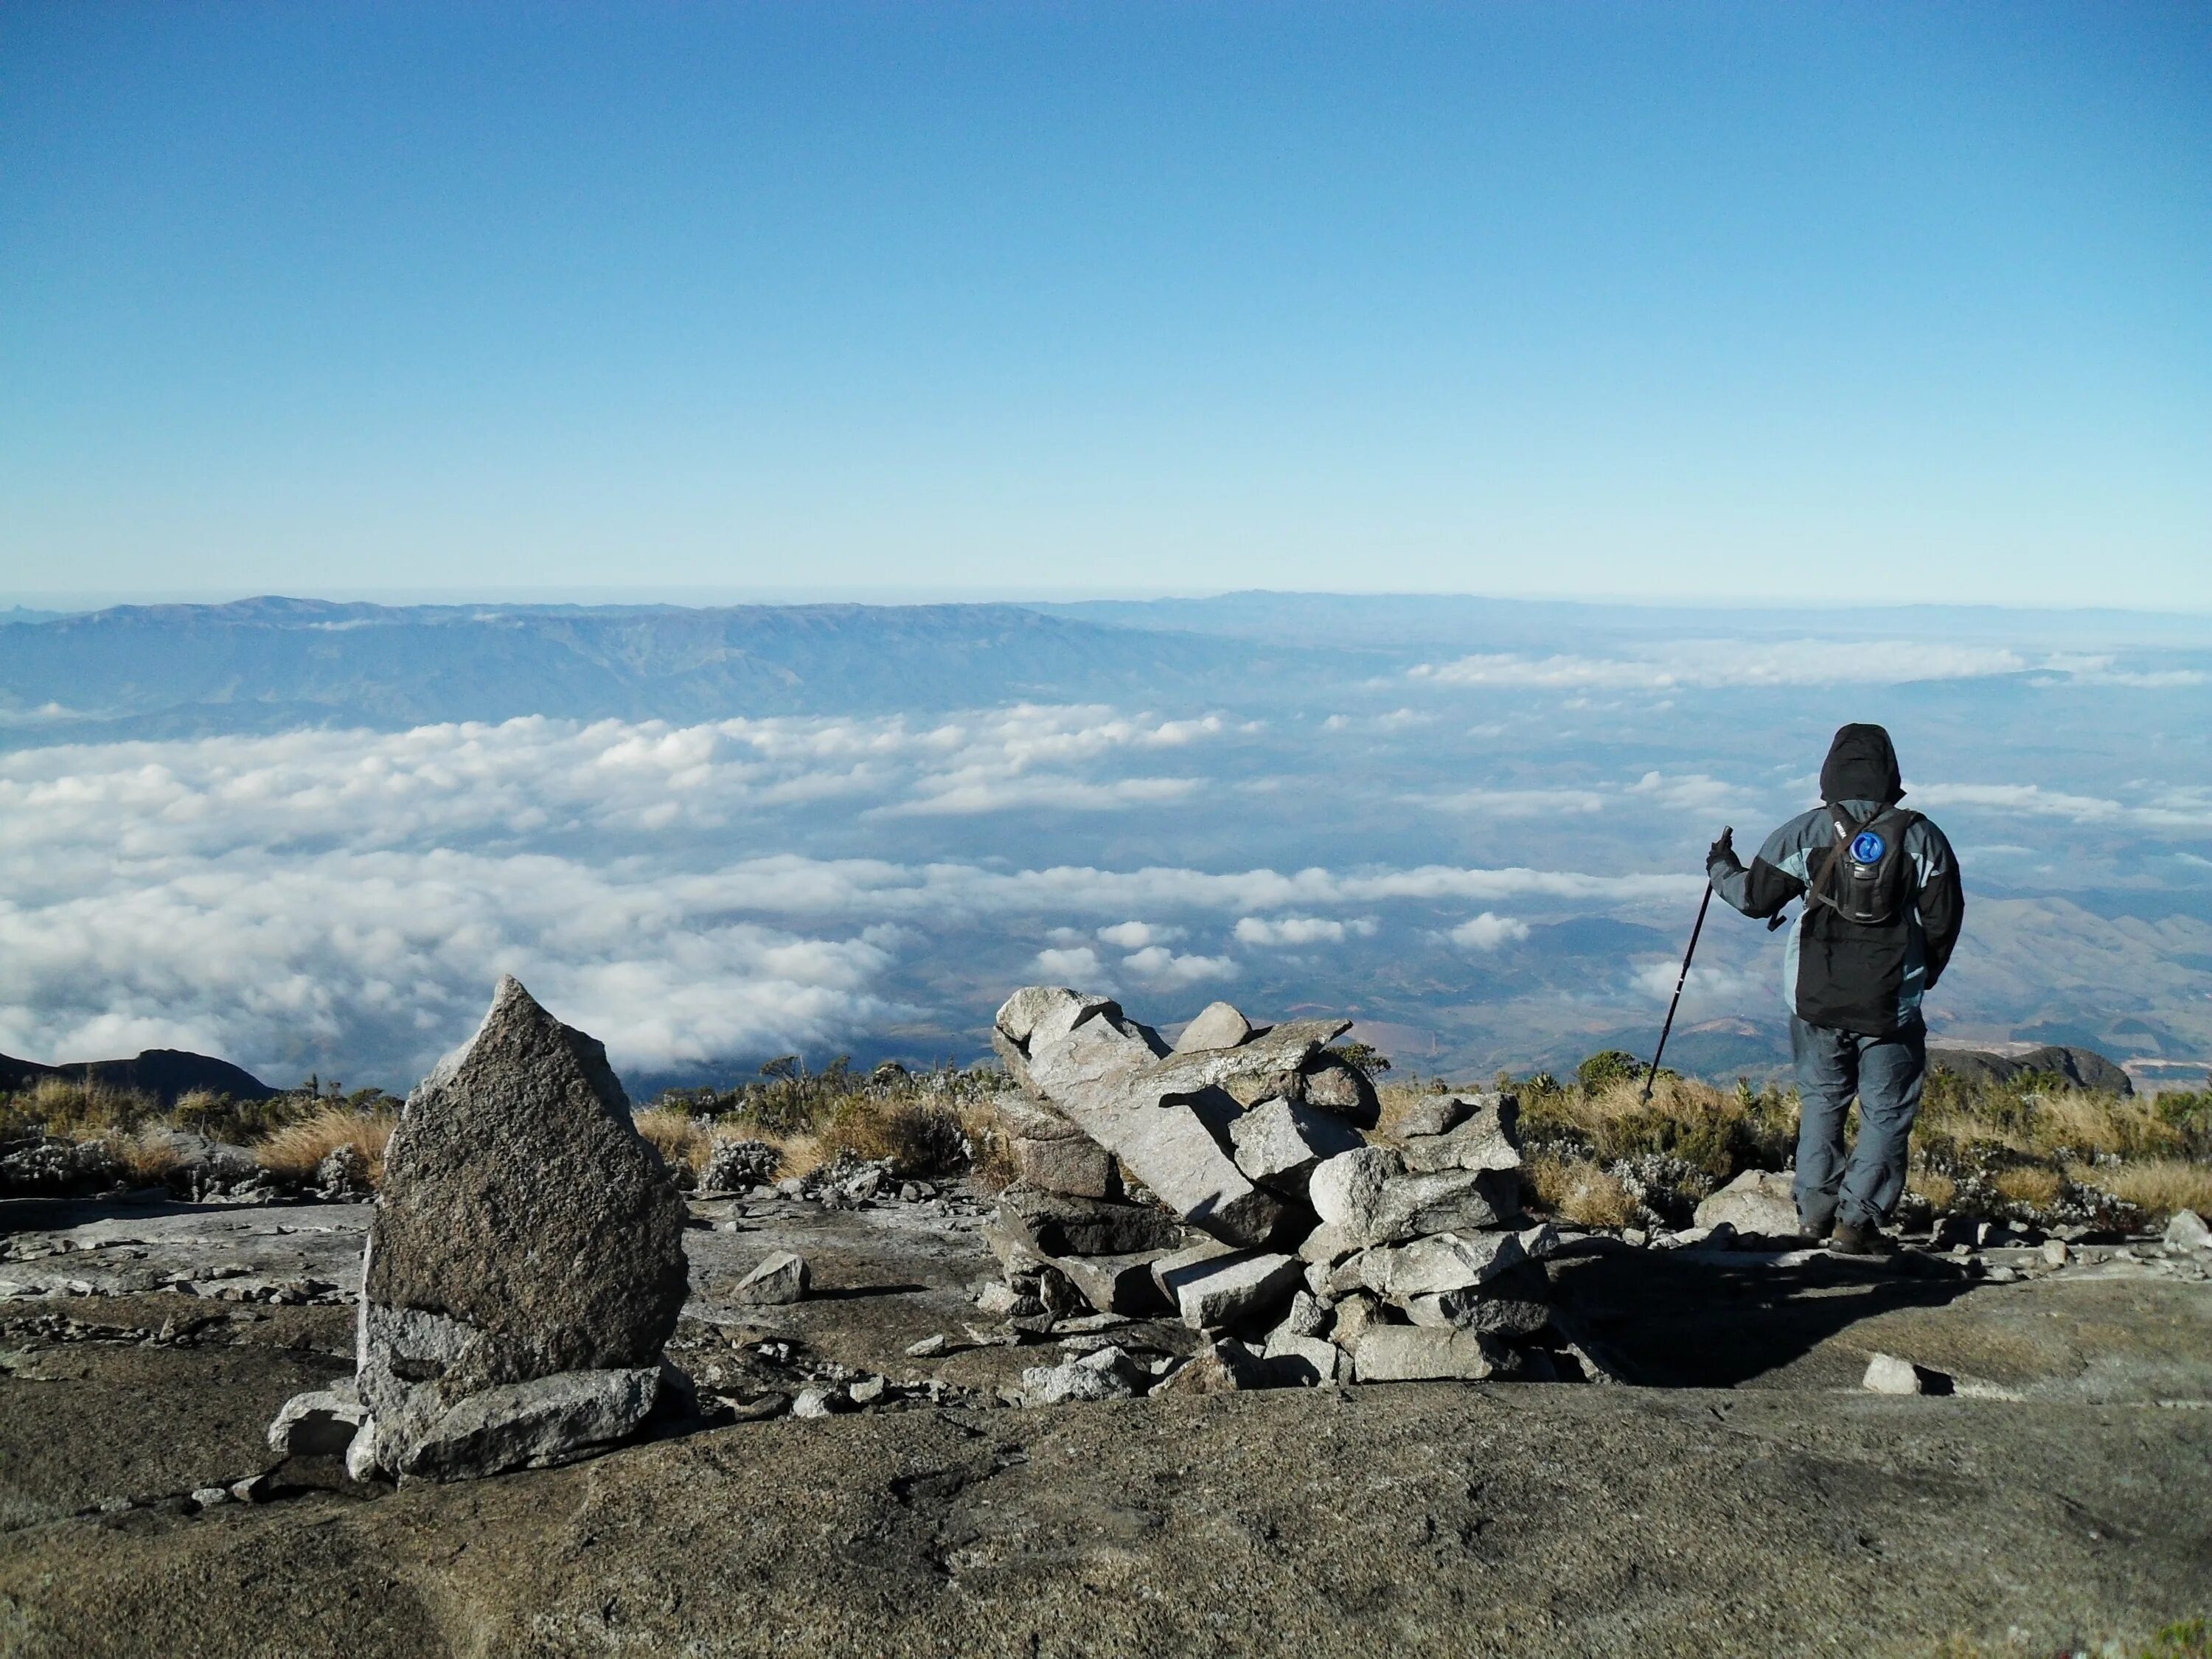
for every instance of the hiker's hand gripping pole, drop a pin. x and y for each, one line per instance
(1652, 1075)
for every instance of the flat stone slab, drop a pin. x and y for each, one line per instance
(1232, 1289)
(1422, 1353)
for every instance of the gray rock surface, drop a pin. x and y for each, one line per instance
(1432, 1116)
(1106, 1374)
(1079, 1167)
(1514, 1304)
(1756, 1201)
(2186, 1230)
(1059, 1224)
(524, 1230)
(1448, 1261)
(1886, 1374)
(1224, 1366)
(733, 1165)
(1157, 1112)
(1335, 1085)
(1416, 1354)
(1167, 1268)
(1219, 1025)
(1345, 1191)
(779, 1279)
(516, 1425)
(1116, 1284)
(321, 1422)
(1278, 1143)
(1232, 1289)
(1368, 1198)
(1486, 1137)
(1301, 1362)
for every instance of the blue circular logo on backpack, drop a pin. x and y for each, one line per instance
(1867, 847)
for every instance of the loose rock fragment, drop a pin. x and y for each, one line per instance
(321, 1422)
(928, 1348)
(782, 1278)
(1232, 1289)
(2187, 1230)
(1279, 1144)
(1107, 1374)
(1116, 1284)
(823, 1399)
(1486, 1137)
(1219, 1025)
(1886, 1374)
(1303, 1362)
(1056, 1224)
(1226, 1366)
(1434, 1116)
(1756, 1201)
(1449, 1262)
(1412, 1354)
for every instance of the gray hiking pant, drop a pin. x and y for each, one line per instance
(1886, 1075)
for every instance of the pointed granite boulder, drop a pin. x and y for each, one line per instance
(525, 1262)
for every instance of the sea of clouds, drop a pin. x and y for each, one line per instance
(342, 900)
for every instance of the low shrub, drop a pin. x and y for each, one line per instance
(918, 1136)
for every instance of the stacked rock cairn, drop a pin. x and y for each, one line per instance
(1304, 1252)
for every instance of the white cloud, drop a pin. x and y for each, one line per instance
(313, 900)
(1294, 931)
(1487, 931)
(1134, 935)
(1079, 967)
(2172, 809)
(1733, 662)
(1707, 989)
(1520, 803)
(1159, 967)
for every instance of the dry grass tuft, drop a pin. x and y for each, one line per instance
(294, 1150)
(147, 1155)
(2157, 1186)
(2029, 1184)
(680, 1137)
(993, 1165)
(1938, 1189)
(76, 1110)
(1581, 1192)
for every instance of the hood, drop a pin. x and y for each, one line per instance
(1860, 766)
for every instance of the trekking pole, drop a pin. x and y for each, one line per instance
(1652, 1076)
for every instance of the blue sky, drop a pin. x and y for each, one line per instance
(1693, 301)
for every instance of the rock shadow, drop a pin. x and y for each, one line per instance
(1714, 1320)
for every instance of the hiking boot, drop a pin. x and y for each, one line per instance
(1861, 1238)
(1817, 1231)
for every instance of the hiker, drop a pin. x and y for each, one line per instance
(1882, 911)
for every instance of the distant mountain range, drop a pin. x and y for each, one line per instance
(271, 664)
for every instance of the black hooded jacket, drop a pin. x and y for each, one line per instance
(1851, 976)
